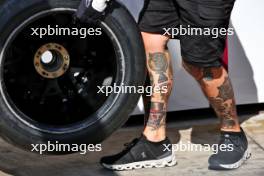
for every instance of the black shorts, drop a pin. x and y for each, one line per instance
(206, 17)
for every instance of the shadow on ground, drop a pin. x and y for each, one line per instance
(14, 161)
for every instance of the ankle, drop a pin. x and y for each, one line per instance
(154, 137)
(236, 129)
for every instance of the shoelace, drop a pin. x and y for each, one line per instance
(227, 139)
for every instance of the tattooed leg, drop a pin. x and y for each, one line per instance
(160, 74)
(217, 87)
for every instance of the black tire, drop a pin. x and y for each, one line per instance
(21, 131)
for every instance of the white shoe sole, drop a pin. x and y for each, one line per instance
(164, 162)
(236, 165)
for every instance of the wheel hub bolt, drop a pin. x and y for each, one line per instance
(47, 57)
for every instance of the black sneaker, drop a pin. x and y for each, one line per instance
(141, 153)
(235, 155)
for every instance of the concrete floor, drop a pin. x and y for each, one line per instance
(14, 161)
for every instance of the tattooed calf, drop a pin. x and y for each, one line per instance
(224, 105)
(226, 90)
(225, 110)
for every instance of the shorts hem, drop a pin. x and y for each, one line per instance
(151, 30)
(217, 62)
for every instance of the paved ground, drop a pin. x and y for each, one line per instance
(14, 161)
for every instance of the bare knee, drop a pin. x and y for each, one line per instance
(204, 73)
(194, 71)
(154, 42)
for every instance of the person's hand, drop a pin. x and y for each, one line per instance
(91, 10)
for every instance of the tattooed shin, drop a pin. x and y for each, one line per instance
(157, 115)
(158, 63)
(160, 72)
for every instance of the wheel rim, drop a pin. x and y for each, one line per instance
(68, 101)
